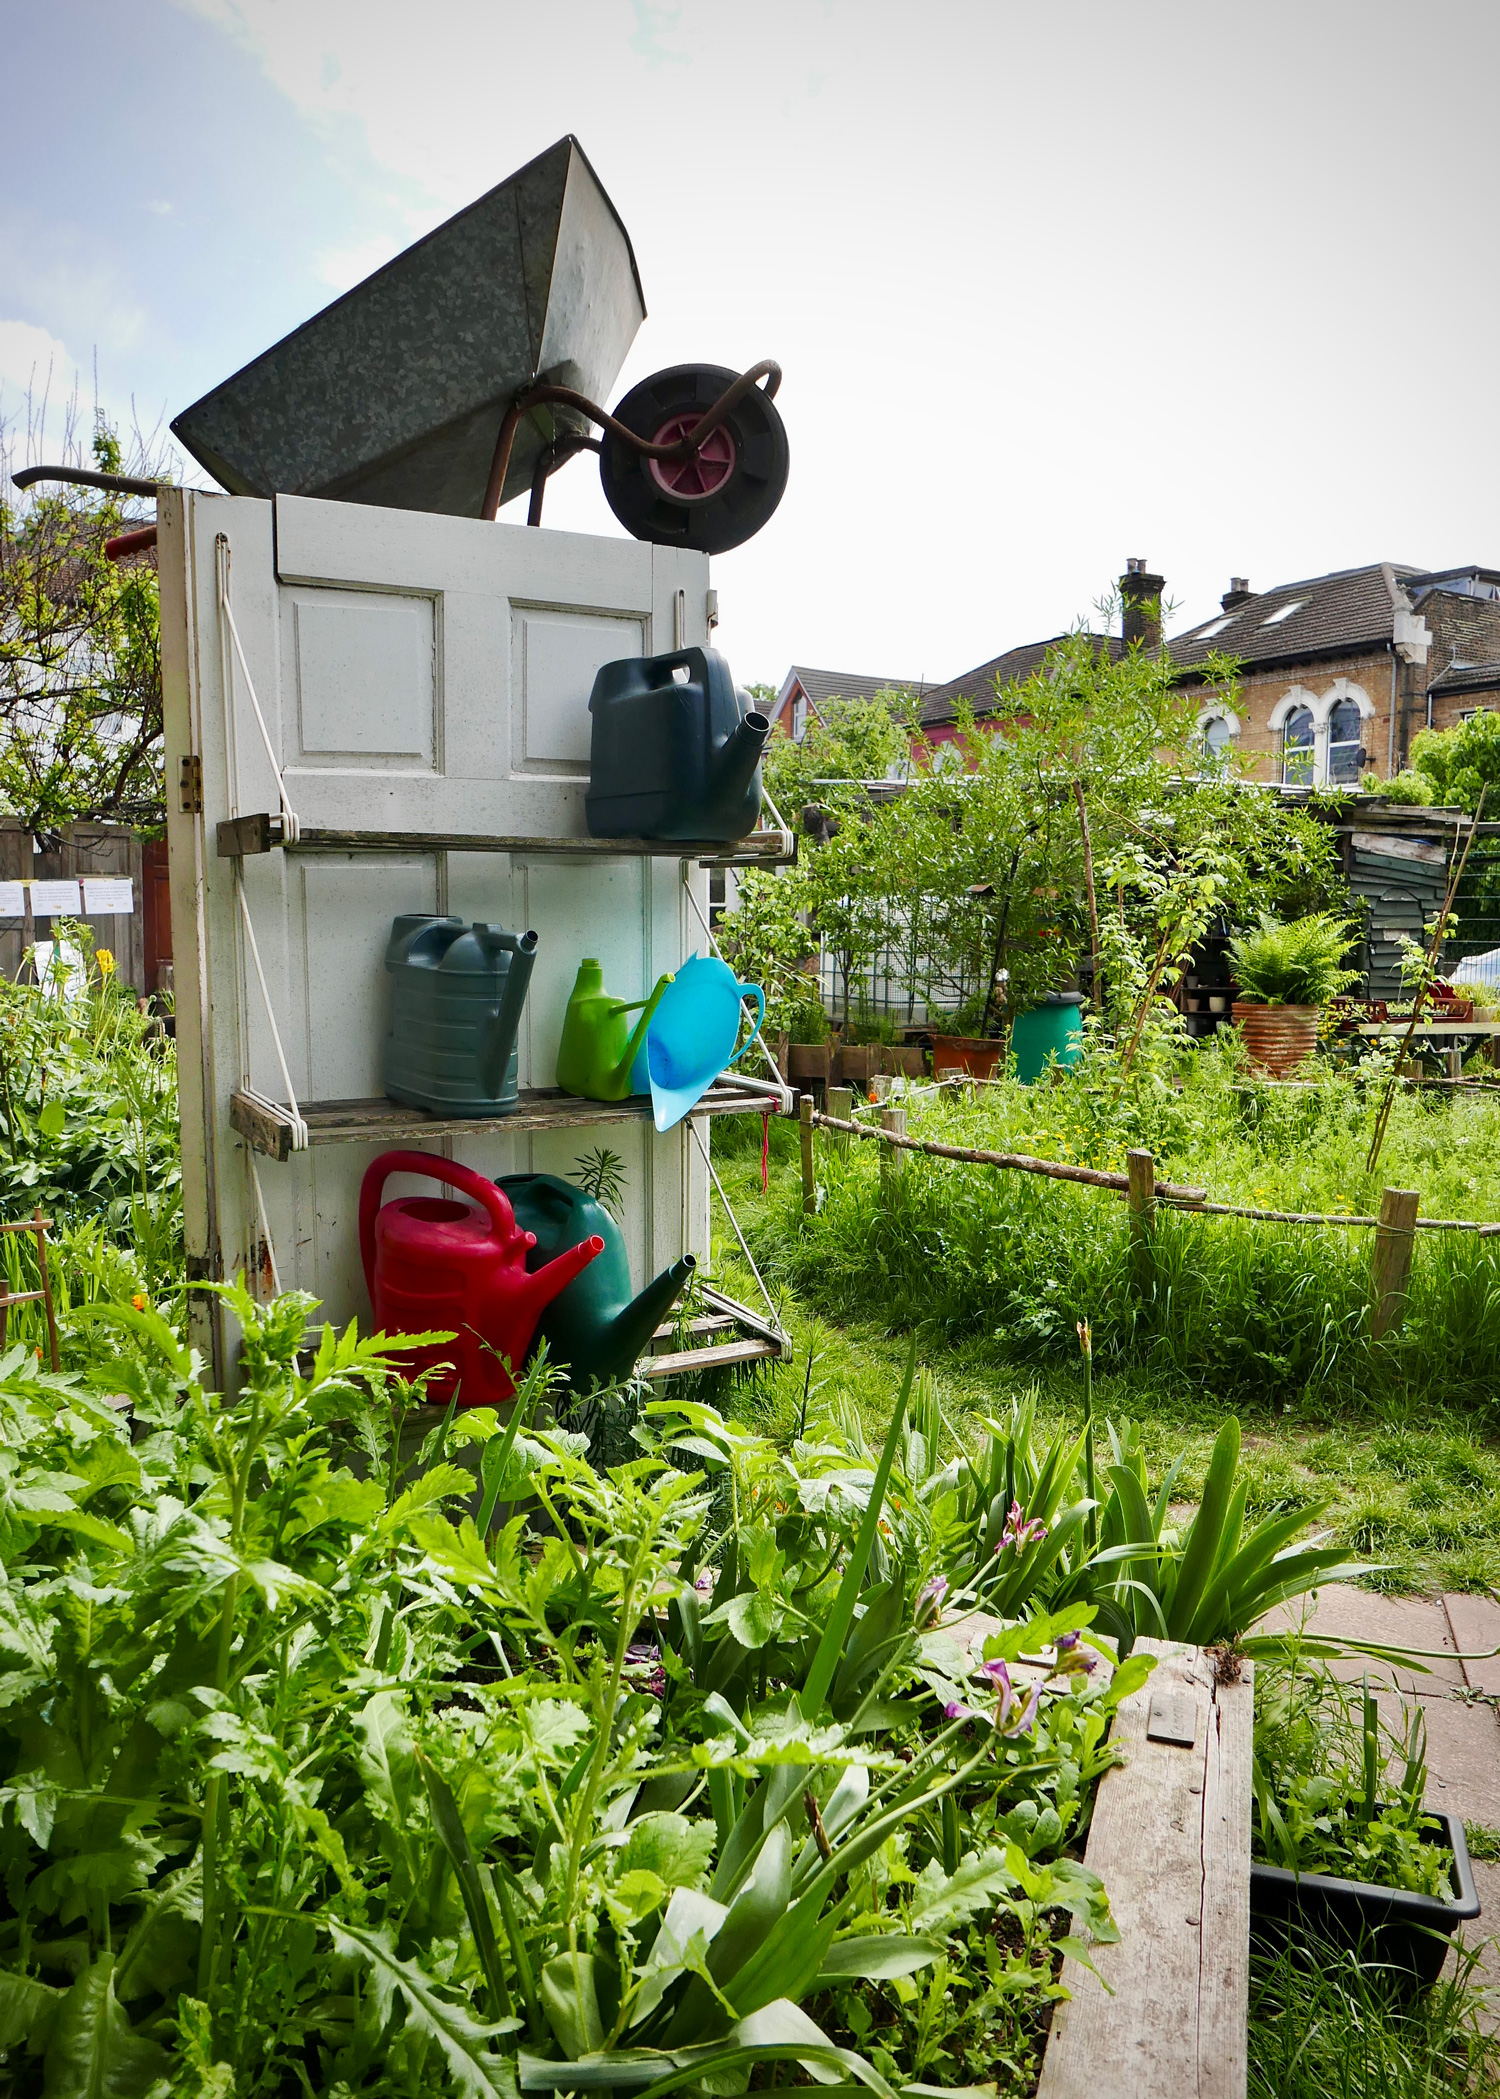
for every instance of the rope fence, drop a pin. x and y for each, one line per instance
(1395, 1227)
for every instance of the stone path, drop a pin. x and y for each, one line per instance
(1457, 1699)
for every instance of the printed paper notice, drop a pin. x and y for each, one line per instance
(55, 899)
(108, 894)
(12, 900)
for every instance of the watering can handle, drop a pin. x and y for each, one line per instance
(502, 1217)
(751, 991)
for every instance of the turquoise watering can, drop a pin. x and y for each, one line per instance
(691, 1037)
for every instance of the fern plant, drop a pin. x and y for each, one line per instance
(1294, 964)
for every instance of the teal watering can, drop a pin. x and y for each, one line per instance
(691, 1037)
(594, 1329)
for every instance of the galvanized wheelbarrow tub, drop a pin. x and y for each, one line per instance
(395, 393)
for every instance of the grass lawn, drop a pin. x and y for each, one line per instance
(1412, 1484)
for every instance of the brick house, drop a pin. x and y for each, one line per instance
(803, 689)
(1337, 673)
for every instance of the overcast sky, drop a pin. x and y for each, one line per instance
(1052, 284)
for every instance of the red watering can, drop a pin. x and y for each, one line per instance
(433, 1263)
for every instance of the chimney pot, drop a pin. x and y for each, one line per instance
(1140, 606)
(1239, 593)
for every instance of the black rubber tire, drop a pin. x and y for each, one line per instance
(711, 524)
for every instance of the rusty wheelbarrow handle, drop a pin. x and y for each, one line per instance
(565, 397)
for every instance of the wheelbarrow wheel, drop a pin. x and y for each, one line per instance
(715, 499)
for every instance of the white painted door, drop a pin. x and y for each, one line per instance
(416, 674)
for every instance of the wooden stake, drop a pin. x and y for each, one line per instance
(1140, 1202)
(892, 1161)
(1390, 1263)
(809, 1177)
(841, 1104)
(39, 1223)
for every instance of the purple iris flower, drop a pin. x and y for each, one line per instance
(1018, 1533)
(930, 1600)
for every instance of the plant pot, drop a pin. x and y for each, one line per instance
(1277, 1037)
(808, 1060)
(1407, 1933)
(965, 1053)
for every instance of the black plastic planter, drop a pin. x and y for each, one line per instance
(1406, 1933)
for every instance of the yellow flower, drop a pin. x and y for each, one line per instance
(105, 960)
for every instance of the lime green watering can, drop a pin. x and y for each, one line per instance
(598, 1048)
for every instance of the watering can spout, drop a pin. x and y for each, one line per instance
(628, 1334)
(500, 1037)
(733, 765)
(538, 1291)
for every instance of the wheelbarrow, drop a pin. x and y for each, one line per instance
(468, 369)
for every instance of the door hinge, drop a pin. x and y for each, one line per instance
(190, 786)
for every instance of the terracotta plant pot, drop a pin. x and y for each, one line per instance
(965, 1053)
(1277, 1037)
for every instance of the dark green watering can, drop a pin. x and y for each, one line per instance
(594, 1329)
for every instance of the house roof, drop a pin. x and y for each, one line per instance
(839, 685)
(1320, 616)
(1467, 677)
(978, 686)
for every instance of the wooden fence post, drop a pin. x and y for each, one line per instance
(892, 1161)
(1390, 1264)
(841, 1106)
(809, 1177)
(1140, 1202)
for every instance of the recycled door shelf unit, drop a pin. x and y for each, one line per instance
(402, 698)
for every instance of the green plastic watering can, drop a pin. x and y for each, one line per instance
(598, 1047)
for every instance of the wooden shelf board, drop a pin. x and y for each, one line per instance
(240, 836)
(268, 1128)
(695, 1359)
(1430, 1027)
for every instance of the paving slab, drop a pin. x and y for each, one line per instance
(1474, 1622)
(1463, 1754)
(1343, 1612)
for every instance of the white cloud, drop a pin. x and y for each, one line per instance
(34, 364)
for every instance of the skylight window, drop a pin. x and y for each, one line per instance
(1215, 626)
(1284, 612)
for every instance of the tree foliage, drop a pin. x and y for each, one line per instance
(80, 658)
(977, 863)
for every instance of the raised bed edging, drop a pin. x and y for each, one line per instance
(1170, 1838)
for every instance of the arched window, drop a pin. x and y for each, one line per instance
(1218, 736)
(1345, 751)
(1297, 748)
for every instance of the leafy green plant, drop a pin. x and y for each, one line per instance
(1322, 1799)
(1329, 2023)
(601, 1174)
(1295, 964)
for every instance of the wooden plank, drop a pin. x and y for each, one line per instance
(743, 1317)
(1170, 1838)
(267, 1126)
(706, 1358)
(261, 832)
